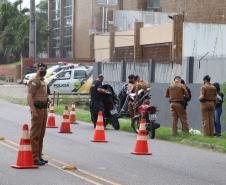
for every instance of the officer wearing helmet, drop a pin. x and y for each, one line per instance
(38, 102)
(207, 98)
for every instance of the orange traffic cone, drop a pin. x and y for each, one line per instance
(51, 123)
(99, 135)
(65, 124)
(72, 114)
(141, 147)
(25, 159)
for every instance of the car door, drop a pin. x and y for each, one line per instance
(61, 83)
(78, 77)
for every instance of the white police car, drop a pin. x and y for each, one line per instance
(69, 81)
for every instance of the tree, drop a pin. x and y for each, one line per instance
(14, 30)
(14, 26)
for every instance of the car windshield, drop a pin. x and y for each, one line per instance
(52, 68)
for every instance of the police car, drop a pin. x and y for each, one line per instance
(50, 71)
(69, 81)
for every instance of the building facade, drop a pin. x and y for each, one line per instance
(205, 11)
(74, 23)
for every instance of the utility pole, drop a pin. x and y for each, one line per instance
(32, 39)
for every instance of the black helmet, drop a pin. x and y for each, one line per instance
(217, 85)
(131, 76)
(206, 78)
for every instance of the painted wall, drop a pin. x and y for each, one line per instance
(102, 45)
(156, 34)
(124, 38)
(200, 39)
(164, 116)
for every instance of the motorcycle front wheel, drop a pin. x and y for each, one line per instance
(113, 120)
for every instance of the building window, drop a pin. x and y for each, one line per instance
(107, 2)
(153, 4)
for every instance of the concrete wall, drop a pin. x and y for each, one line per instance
(164, 117)
(199, 39)
(102, 47)
(124, 19)
(124, 38)
(10, 72)
(159, 34)
(205, 11)
(83, 23)
(156, 34)
(215, 67)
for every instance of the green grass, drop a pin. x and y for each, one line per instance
(163, 133)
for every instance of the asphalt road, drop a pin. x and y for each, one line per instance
(170, 164)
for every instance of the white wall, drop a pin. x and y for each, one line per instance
(198, 39)
(165, 73)
(216, 68)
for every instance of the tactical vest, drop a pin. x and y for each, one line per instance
(40, 92)
(210, 93)
(176, 93)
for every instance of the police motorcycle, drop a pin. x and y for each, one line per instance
(110, 113)
(146, 111)
(149, 113)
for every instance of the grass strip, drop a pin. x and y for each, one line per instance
(163, 133)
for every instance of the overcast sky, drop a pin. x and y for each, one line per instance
(26, 3)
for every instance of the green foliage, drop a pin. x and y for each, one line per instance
(14, 30)
(14, 26)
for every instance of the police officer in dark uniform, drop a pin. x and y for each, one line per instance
(208, 97)
(38, 102)
(177, 94)
(96, 93)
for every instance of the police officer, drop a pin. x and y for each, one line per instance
(38, 100)
(177, 94)
(208, 95)
(96, 93)
(139, 85)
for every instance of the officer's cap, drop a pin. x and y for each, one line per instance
(41, 66)
(177, 78)
(100, 76)
(206, 78)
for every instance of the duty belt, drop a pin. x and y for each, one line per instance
(40, 105)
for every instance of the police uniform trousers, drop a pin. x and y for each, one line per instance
(207, 110)
(178, 111)
(38, 128)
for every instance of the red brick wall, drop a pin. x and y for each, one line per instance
(11, 71)
(204, 11)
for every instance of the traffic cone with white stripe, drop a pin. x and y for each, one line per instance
(72, 114)
(99, 135)
(141, 147)
(51, 123)
(25, 159)
(65, 124)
